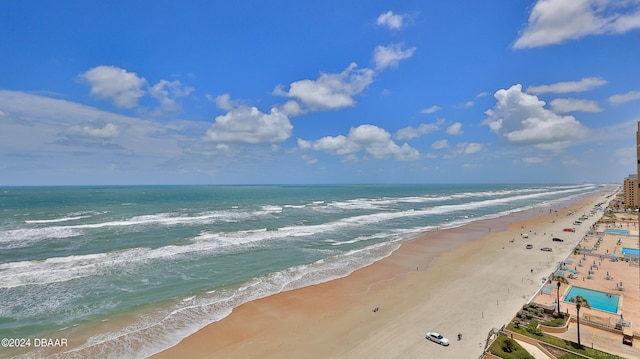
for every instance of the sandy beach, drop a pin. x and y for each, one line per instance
(465, 280)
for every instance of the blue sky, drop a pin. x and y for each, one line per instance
(261, 92)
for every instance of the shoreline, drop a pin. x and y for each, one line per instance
(335, 318)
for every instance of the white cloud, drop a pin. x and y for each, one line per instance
(471, 165)
(455, 129)
(292, 108)
(556, 21)
(166, 92)
(309, 159)
(390, 56)
(625, 155)
(431, 109)
(585, 84)
(125, 88)
(390, 20)
(440, 144)
(468, 148)
(410, 132)
(59, 128)
(564, 105)
(521, 118)
(109, 130)
(249, 125)
(119, 85)
(622, 98)
(371, 139)
(533, 160)
(222, 147)
(467, 104)
(223, 102)
(329, 91)
(464, 148)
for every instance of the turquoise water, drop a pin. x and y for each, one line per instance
(597, 300)
(617, 231)
(176, 258)
(631, 251)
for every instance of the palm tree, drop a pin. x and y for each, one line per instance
(578, 318)
(580, 300)
(558, 298)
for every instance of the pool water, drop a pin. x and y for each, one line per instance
(630, 251)
(597, 300)
(617, 231)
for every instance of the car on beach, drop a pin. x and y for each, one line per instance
(529, 246)
(437, 338)
(569, 229)
(546, 249)
(556, 239)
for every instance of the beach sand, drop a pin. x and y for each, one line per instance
(464, 280)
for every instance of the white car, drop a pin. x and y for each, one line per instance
(438, 338)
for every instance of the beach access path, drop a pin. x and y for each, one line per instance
(464, 280)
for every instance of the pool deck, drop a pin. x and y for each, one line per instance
(600, 268)
(599, 339)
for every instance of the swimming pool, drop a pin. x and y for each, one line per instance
(617, 231)
(597, 300)
(631, 251)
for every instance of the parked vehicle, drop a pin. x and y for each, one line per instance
(529, 246)
(569, 229)
(627, 336)
(438, 338)
(546, 249)
(556, 239)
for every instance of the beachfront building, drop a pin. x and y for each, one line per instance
(631, 191)
(631, 183)
(638, 148)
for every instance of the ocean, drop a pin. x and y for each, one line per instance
(133, 270)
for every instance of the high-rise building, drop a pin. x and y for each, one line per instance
(631, 192)
(631, 183)
(638, 150)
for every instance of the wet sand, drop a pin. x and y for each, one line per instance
(463, 280)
